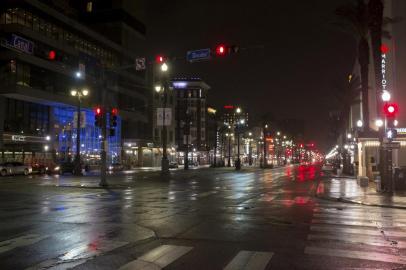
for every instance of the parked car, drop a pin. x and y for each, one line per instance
(115, 167)
(173, 165)
(66, 167)
(13, 168)
(39, 168)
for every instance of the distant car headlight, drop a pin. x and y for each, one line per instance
(56, 168)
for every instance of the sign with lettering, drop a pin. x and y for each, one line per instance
(18, 138)
(21, 44)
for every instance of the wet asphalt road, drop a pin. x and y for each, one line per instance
(201, 219)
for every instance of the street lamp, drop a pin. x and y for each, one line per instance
(79, 94)
(360, 123)
(238, 110)
(378, 123)
(386, 96)
(164, 67)
(164, 90)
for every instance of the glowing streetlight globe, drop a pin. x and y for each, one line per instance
(385, 96)
(379, 122)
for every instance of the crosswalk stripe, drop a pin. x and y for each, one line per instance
(79, 255)
(352, 254)
(157, 258)
(252, 260)
(359, 239)
(337, 229)
(21, 241)
(359, 216)
(364, 223)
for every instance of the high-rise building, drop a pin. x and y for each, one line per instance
(44, 44)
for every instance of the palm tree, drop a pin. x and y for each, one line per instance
(355, 19)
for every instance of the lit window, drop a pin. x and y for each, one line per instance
(89, 6)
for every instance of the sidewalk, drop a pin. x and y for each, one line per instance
(348, 190)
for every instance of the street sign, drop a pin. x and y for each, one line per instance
(140, 64)
(161, 113)
(391, 145)
(82, 119)
(198, 55)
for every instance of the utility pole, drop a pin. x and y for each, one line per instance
(265, 161)
(229, 151)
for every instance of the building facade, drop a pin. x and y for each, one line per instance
(190, 119)
(44, 46)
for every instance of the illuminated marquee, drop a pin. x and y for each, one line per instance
(384, 50)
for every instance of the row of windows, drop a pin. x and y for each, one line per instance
(29, 20)
(25, 117)
(189, 93)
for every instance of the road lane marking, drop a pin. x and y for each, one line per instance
(157, 258)
(21, 241)
(79, 255)
(359, 239)
(249, 260)
(337, 229)
(352, 254)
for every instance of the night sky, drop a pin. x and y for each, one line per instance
(303, 56)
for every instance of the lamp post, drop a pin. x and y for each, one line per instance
(240, 123)
(164, 90)
(78, 94)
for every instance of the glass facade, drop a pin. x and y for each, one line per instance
(90, 136)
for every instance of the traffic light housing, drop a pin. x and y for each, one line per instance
(160, 59)
(391, 134)
(113, 117)
(222, 50)
(390, 109)
(98, 117)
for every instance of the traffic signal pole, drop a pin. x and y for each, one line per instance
(103, 150)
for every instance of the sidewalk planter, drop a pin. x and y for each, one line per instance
(363, 181)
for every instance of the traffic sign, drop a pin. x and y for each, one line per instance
(164, 116)
(198, 55)
(391, 145)
(140, 64)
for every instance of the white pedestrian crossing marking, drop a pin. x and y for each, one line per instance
(21, 241)
(358, 239)
(352, 254)
(79, 255)
(249, 260)
(157, 258)
(336, 229)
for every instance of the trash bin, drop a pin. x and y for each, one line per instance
(399, 178)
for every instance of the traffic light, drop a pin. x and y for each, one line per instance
(390, 109)
(160, 59)
(98, 117)
(391, 134)
(51, 55)
(222, 50)
(113, 117)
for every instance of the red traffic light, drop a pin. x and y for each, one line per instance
(221, 50)
(160, 59)
(98, 111)
(51, 55)
(114, 111)
(390, 109)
